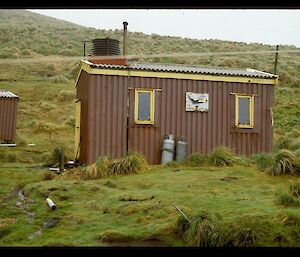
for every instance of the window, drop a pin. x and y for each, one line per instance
(144, 106)
(244, 111)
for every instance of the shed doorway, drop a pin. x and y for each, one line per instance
(77, 129)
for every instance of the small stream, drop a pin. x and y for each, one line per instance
(30, 216)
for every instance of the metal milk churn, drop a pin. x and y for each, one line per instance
(167, 149)
(181, 149)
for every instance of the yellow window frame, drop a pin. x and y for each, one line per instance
(136, 106)
(251, 111)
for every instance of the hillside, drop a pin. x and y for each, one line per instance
(25, 34)
(30, 45)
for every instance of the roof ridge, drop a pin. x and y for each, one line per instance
(192, 65)
(185, 68)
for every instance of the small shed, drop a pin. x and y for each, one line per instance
(132, 107)
(8, 115)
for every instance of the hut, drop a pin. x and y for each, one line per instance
(124, 106)
(8, 115)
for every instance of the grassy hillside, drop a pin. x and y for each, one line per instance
(32, 64)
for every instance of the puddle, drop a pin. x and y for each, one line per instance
(47, 224)
(35, 234)
(20, 204)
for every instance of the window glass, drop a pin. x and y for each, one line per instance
(244, 115)
(144, 106)
(244, 111)
(144, 102)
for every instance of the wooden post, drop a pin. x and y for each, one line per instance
(276, 58)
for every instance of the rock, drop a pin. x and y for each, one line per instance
(51, 223)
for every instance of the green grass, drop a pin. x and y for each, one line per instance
(137, 209)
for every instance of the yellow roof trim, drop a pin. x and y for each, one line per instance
(85, 65)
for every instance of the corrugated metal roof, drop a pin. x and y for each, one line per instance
(179, 68)
(7, 94)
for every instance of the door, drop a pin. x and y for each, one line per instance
(77, 129)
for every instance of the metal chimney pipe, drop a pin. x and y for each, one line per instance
(125, 38)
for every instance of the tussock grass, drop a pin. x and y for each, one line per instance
(283, 164)
(91, 172)
(182, 226)
(210, 230)
(130, 164)
(201, 231)
(241, 237)
(105, 166)
(222, 156)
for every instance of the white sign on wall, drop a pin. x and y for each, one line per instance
(196, 102)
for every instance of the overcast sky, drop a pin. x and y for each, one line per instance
(272, 27)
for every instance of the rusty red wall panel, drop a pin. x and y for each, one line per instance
(203, 131)
(8, 118)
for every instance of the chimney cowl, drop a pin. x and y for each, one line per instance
(106, 51)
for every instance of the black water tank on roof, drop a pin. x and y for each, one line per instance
(105, 46)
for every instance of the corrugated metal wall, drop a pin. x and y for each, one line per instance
(104, 108)
(8, 118)
(103, 116)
